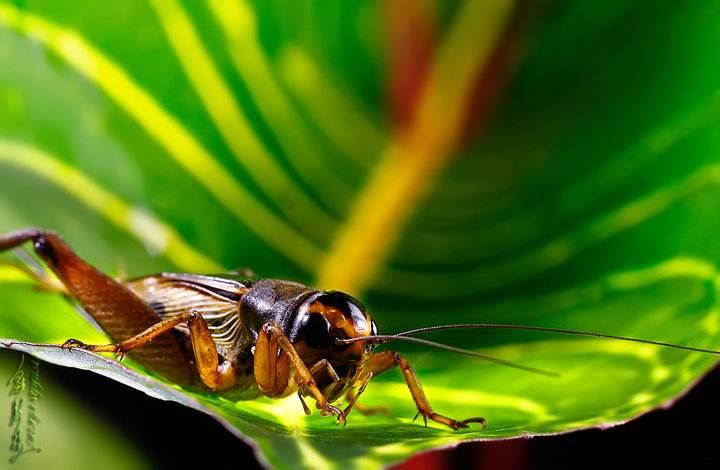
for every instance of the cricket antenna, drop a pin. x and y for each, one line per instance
(382, 339)
(501, 326)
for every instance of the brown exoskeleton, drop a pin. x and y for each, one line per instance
(267, 336)
(248, 337)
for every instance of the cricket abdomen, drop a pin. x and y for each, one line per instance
(103, 297)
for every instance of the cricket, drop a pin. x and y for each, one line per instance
(245, 337)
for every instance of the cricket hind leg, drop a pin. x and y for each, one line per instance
(380, 362)
(215, 375)
(118, 311)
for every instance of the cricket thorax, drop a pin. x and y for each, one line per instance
(272, 300)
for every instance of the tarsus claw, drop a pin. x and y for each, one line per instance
(480, 420)
(451, 423)
(330, 409)
(72, 343)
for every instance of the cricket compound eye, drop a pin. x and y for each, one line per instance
(315, 330)
(328, 316)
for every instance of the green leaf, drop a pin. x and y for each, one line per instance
(580, 193)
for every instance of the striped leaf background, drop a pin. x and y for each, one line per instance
(547, 163)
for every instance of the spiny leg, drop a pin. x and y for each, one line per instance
(119, 312)
(319, 366)
(140, 339)
(324, 364)
(214, 375)
(274, 353)
(385, 360)
(305, 407)
(352, 398)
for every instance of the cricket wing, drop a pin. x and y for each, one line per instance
(215, 298)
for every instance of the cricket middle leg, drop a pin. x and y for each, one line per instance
(380, 362)
(215, 375)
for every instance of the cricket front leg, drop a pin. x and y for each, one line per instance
(383, 361)
(274, 359)
(215, 375)
(119, 312)
(352, 397)
(317, 368)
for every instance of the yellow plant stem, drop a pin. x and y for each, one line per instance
(410, 162)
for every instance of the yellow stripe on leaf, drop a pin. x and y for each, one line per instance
(356, 133)
(411, 161)
(155, 234)
(178, 141)
(237, 132)
(308, 157)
